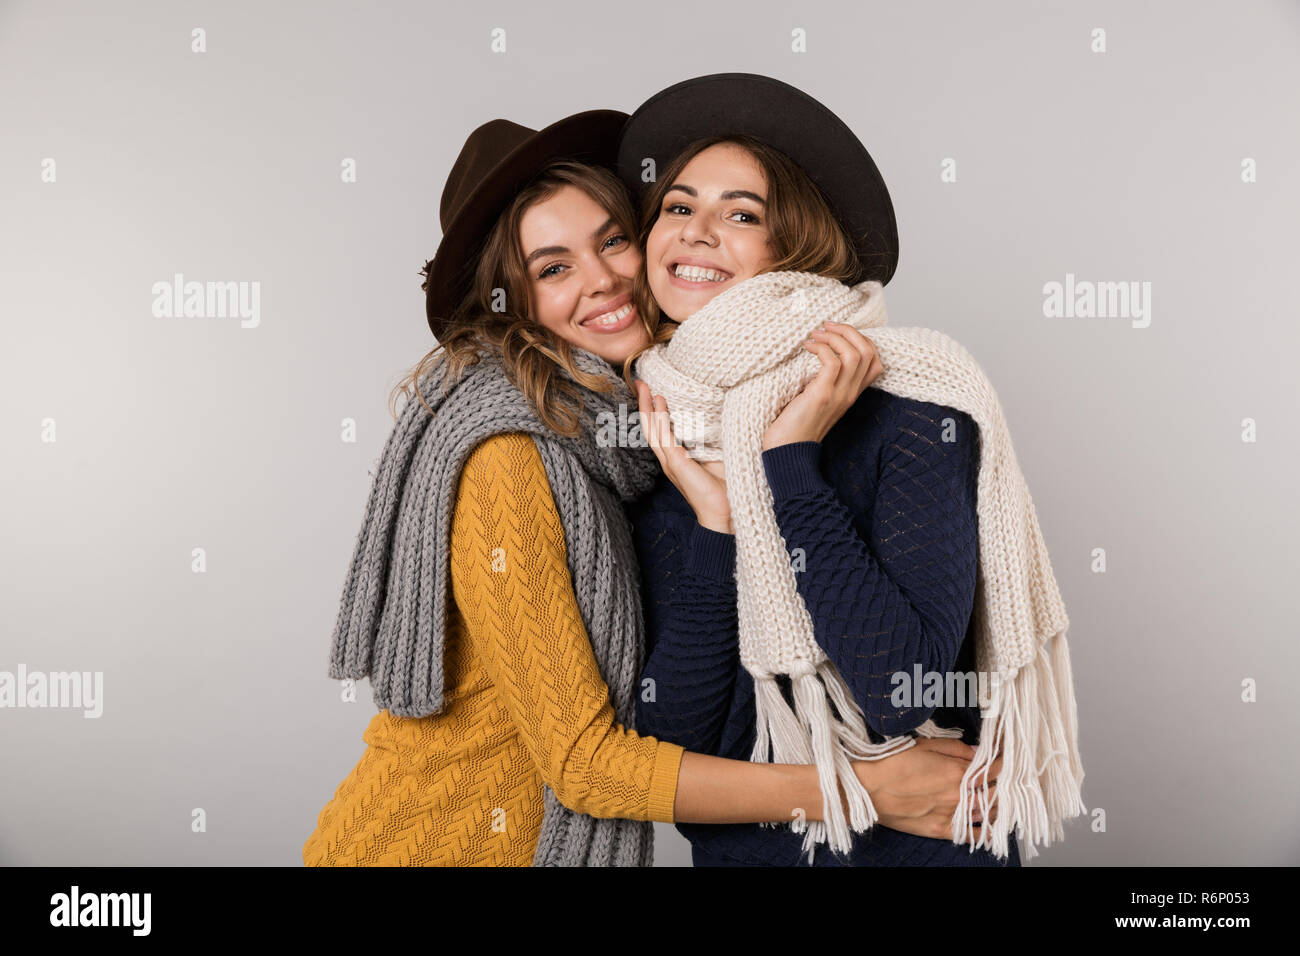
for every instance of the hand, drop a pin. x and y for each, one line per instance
(849, 365)
(703, 488)
(917, 791)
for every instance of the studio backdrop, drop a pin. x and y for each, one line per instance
(1099, 201)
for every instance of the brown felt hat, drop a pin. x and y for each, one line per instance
(498, 160)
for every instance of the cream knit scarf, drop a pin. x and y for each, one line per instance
(726, 374)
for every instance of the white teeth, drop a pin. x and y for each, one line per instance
(697, 274)
(610, 318)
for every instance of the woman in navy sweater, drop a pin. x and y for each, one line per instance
(875, 494)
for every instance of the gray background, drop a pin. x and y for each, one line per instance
(182, 433)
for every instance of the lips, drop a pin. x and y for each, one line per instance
(695, 263)
(708, 286)
(608, 307)
(624, 321)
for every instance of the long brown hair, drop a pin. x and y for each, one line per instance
(805, 235)
(530, 353)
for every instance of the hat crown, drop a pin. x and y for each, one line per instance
(483, 151)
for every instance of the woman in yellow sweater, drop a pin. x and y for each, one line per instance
(537, 260)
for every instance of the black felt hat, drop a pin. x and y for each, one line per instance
(787, 119)
(498, 160)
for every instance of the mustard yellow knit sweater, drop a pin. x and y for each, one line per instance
(526, 704)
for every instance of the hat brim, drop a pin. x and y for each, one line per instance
(787, 119)
(590, 137)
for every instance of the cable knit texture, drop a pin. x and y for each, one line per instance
(882, 514)
(525, 703)
(392, 622)
(726, 374)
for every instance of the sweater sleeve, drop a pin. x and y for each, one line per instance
(511, 583)
(904, 596)
(689, 584)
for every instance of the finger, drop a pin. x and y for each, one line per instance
(989, 773)
(831, 365)
(875, 369)
(650, 421)
(865, 347)
(650, 424)
(643, 409)
(850, 336)
(850, 356)
(666, 433)
(643, 402)
(977, 794)
(948, 747)
(869, 367)
(850, 382)
(663, 430)
(992, 816)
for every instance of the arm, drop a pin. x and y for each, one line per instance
(525, 620)
(906, 599)
(511, 584)
(685, 690)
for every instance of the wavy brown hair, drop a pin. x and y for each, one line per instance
(531, 354)
(804, 232)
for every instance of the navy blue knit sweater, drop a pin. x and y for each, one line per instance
(881, 519)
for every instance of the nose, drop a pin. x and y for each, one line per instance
(600, 277)
(697, 229)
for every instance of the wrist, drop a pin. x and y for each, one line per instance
(864, 770)
(716, 522)
(776, 439)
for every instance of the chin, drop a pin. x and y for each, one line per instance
(680, 312)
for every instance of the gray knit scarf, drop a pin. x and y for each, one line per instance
(393, 613)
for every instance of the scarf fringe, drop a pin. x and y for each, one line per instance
(1035, 800)
(811, 733)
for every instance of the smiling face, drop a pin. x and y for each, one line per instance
(580, 266)
(711, 232)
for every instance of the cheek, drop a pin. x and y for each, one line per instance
(754, 253)
(656, 242)
(554, 308)
(629, 263)
(656, 248)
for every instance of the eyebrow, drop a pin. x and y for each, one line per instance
(729, 194)
(555, 250)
